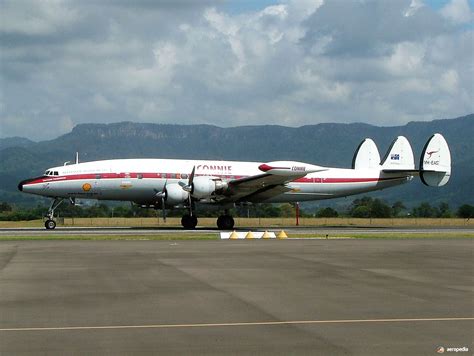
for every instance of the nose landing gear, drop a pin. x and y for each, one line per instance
(50, 224)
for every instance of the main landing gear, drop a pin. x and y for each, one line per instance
(225, 222)
(50, 224)
(189, 221)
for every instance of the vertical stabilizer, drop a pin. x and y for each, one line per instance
(399, 156)
(435, 162)
(366, 156)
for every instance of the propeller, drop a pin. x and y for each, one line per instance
(162, 195)
(189, 188)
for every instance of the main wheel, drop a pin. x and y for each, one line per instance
(50, 224)
(189, 221)
(225, 222)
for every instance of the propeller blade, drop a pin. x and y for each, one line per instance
(162, 195)
(188, 187)
(163, 208)
(191, 176)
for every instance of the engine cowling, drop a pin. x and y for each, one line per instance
(175, 194)
(206, 187)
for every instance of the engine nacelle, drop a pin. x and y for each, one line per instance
(205, 187)
(175, 194)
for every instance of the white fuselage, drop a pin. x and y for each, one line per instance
(138, 180)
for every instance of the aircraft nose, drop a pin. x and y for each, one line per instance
(20, 185)
(26, 181)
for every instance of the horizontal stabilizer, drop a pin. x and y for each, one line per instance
(435, 162)
(399, 156)
(290, 168)
(366, 156)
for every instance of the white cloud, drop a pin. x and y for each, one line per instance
(413, 8)
(36, 17)
(457, 11)
(294, 63)
(449, 81)
(101, 102)
(406, 59)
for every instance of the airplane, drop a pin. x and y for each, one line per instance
(163, 183)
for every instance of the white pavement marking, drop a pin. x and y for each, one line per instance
(255, 323)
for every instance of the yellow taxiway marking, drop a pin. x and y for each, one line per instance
(250, 323)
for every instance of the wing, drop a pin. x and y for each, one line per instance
(259, 187)
(274, 181)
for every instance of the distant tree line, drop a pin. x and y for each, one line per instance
(367, 207)
(364, 207)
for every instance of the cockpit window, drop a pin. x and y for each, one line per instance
(56, 173)
(46, 173)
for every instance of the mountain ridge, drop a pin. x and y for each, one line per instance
(327, 144)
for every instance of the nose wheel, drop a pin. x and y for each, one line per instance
(50, 224)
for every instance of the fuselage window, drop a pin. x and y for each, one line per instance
(184, 175)
(140, 176)
(98, 176)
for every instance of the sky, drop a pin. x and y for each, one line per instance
(232, 63)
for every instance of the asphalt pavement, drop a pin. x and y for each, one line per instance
(322, 297)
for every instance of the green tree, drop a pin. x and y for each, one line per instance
(327, 213)
(367, 207)
(465, 211)
(361, 211)
(425, 210)
(379, 209)
(287, 210)
(397, 208)
(444, 211)
(5, 207)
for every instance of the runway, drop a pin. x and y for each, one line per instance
(292, 230)
(243, 297)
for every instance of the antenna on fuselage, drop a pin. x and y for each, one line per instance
(77, 157)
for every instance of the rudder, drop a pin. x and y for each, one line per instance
(399, 156)
(435, 162)
(366, 155)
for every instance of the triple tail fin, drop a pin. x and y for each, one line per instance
(435, 162)
(366, 156)
(399, 157)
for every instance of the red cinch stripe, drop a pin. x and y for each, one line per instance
(343, 180)
(93, 176)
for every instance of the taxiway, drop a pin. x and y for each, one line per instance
(317, 231)
(333, 297)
